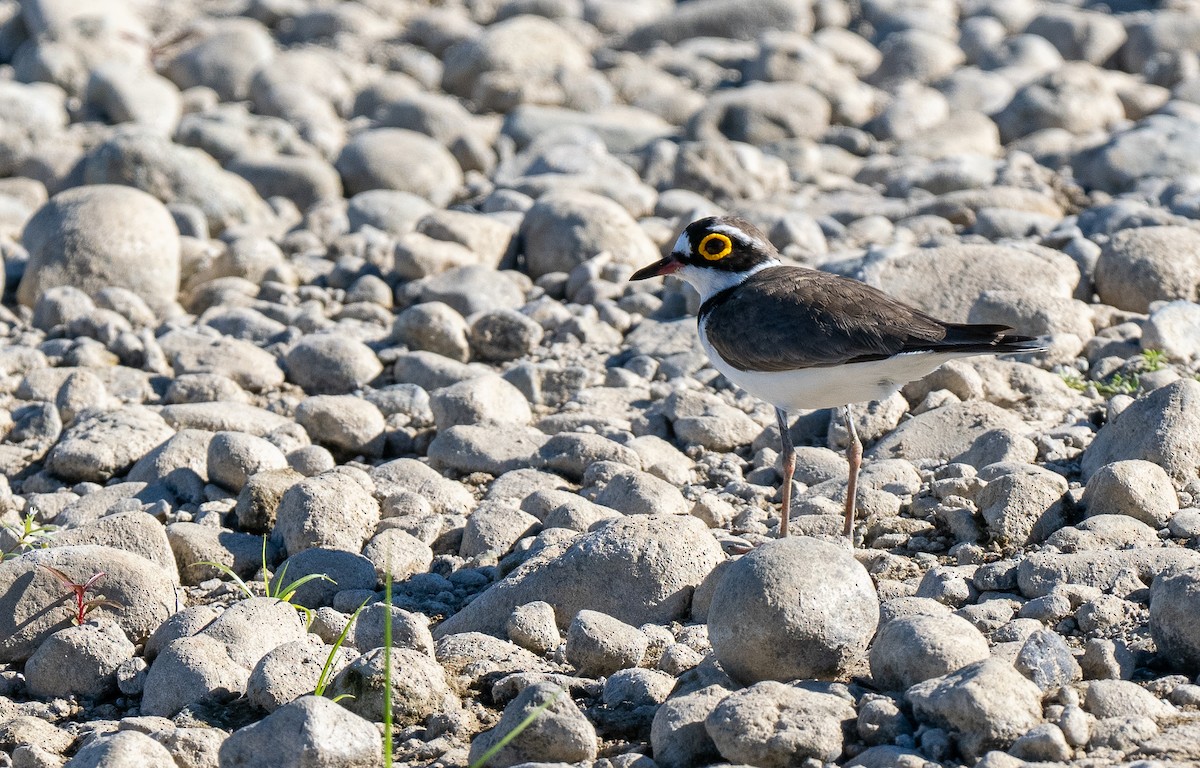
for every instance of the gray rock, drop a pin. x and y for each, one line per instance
(611, 570)
(387, 210)
(100, 445)
(78, 661)
(473, 660)
(139, 158)
(1077, 98)
(99, 236)
(398, 553)
(565, 229)
(495, 528)
(1146, 264)
(1163, 428)
(145, 591)
(481, 400)
(415, 695)
(599, 645)
(1140, 152)
(761, 113)
(259, 498)
(532, 626)
(331, 364)
(394, 158)
(218, 660)
(429, 370)
(772, 724)
(288, 672)
(185, 623)
(760, 630)
(409, 630)
(123, 749)
(234, 457)
(621, 128)
(135, 532)
(678, 736)
(1140, 489)
(345, 424)
(639, 493)
(922, 277)
(181, 462)
(330, 510)
(1042, 743)
(1040, 572)
(305, 181)
(225, 59)
(494, 67)
(503, 335)
(1046, 659)
(444, 496)
(637, 687)
(469, 448)
(699, 418)
(560, 733)
(911, 649)
(250, 367)
(1173, 618)
(571, 453)
(194, 544)
(124, 93)
(471, 289)
(1123, 698)
(988, 705)
(1024, 507)
(311, 729)
(727, 171)
(1174, 329)
(340, 570)
(1079, 34)
(715, 19)
(433, 327)
(946, 433)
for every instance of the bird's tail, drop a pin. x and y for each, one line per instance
(989, 339)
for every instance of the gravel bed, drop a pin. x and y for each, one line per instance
(300, 295)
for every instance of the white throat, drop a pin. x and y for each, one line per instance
(709, 282)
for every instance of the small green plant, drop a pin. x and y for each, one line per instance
(283, 590)
(529, 719)
(1116, 384)
(387, 672)
(327, 668)
(78, 591)
(1153, 360)
(29, 535)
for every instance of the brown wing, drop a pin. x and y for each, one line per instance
(784, 318)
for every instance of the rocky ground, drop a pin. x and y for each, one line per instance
(308, 293)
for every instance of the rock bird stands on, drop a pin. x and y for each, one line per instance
(799, 338)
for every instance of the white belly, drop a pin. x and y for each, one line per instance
(830, 387)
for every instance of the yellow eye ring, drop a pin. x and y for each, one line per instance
(725, 242)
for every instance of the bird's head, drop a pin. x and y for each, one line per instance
(714, 253)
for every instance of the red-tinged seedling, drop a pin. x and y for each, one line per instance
(79, 590)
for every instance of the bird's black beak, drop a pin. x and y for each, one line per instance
(664, 266)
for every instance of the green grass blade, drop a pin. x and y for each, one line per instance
(286, 593)
(323, 680)
(387, 671)
(515, 732)
(225, 569)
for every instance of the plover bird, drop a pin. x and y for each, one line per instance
(802, 339)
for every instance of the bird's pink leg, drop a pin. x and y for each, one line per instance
(854, 456)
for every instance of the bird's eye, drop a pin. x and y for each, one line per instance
(715, 246)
